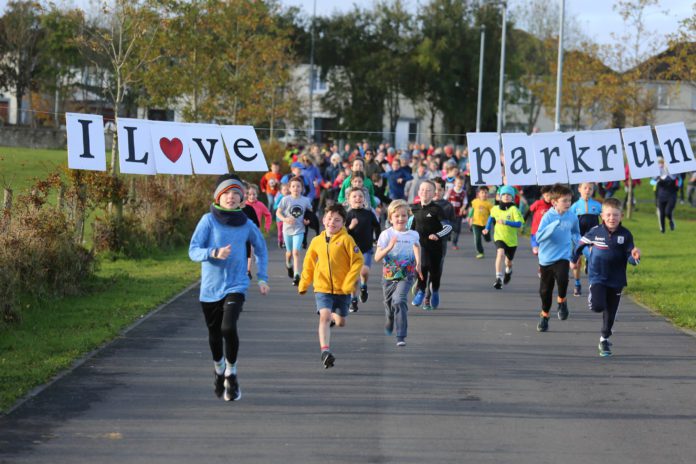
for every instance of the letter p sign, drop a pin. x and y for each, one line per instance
(484, 158)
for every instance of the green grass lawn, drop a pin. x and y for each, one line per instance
(21, 167)
(664, 278)
(55, 332)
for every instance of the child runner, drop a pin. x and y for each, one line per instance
(428, 220)
(291, 211)
(459, 201)
(333, 263)
(508, 220)
(558, 233)
(400, 250)
(262, 213)
(270, 184)
(363, 226)
(611, 249)
(587, 210)
(537, 210)
(284, 192)
(218, 244)
(448, 210)
(478, 218)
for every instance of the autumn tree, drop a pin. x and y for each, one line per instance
(21, 33)
(119, 41)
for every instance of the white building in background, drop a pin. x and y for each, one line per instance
(413, 124)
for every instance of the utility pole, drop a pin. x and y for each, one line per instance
(501, 83)
(480, 82)
(559, 71)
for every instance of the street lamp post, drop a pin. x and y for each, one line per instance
(502, 70)
(559, 71)
(310, 124)
(480, 79)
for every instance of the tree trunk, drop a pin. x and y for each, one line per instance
(6, 209)
(18, 111)
(629, 198)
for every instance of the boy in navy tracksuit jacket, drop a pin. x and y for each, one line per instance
(557, 234)
(218, 243)
(611, 249)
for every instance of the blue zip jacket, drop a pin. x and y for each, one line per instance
(557, 235)
(609, 254)
(220, 277)
(396, 189)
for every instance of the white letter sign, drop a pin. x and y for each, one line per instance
(595, 156)
(676, 148)
(244, 148)
(640, 152)
(170, 145)
(135, 147)
(207, 149)
(549, 154)
(484, 158)
(86, 144)
(520, 168)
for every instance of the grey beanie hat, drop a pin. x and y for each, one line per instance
(227, 182)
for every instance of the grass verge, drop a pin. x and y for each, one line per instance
(664, 278)
(53, 333)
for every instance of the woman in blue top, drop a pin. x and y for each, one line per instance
(224, 279)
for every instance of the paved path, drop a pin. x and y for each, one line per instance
(476, 383)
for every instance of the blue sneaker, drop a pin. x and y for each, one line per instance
(435, 300)
(418, 299)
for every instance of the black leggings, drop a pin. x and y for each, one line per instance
(431, 266)
(557, 272)
(221, 318)
(665, 208)
(605, 300)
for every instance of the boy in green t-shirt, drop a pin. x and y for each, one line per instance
(508, 220)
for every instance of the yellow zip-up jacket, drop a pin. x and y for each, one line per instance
(333, 266)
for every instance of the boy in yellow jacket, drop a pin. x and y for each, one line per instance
(333, 262)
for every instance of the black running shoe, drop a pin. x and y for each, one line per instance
(543, 325)
(291, 271)
(604, 348)
(563, 311)
(578, 290)
(498, 284)
(353, 308)
(232, 390)
(249, 275)
(219, 383)
(363, 294)
(296, 280)
(327, 359)
(507, 277)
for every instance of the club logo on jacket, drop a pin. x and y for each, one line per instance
(620, 239)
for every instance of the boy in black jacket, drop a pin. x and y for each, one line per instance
(429, 222)
(363, 226)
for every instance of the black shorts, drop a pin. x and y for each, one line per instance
(509, 251)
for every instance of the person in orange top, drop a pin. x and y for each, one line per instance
(270, 184)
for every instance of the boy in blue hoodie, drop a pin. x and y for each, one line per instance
(218, 243)
(557, 234)
(396, 180)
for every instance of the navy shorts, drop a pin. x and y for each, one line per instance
(336, 303)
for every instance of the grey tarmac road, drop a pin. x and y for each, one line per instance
(476, 383)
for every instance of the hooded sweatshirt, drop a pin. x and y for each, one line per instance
(557, 235)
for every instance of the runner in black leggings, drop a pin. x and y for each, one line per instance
(666, 189)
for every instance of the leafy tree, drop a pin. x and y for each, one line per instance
(120, 43)
(348, 52)
(21, 33)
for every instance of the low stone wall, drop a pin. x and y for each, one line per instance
(13, 136)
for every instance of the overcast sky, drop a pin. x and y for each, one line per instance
(596, 17)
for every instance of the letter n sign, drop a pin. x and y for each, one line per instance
(86, 149)
(676, 147)
(243, 148)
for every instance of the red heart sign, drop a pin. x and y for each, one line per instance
(172, 149)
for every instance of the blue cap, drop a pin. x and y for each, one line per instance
(506, 189)
(297, 164)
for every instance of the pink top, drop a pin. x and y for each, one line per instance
(262, 212)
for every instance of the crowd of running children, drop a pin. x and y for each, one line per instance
(400, 208)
